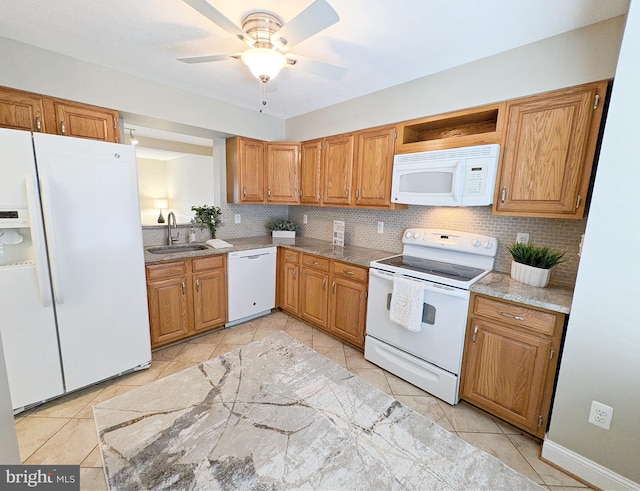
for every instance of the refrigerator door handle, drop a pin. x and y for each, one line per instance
(56, 276)
(37, 236)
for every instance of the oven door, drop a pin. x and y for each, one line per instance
(441, 338)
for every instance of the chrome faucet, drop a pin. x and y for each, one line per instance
(172, 239)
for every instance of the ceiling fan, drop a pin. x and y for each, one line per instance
(269, 38)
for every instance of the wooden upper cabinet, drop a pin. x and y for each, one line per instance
(83, 121)
(21, 111)
(338, 170)
(311, 172)
(548, 152)
(245, 170)
(34, 112)
(475, 126)
(283, 172)
(374, 166)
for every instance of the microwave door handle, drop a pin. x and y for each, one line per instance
(458, 183)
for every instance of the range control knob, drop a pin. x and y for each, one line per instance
(416, 235)
(476, 243)
(407, 235)
(488, 245)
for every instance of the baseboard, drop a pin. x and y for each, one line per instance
(585, 469)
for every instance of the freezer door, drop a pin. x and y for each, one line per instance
(89, 193)
(29, 338)
(27, 319)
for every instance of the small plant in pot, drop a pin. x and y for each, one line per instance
(532, 264)
(207, 216)
(283, 227)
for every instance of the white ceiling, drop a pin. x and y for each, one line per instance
(381, 42)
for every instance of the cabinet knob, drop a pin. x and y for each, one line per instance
(38, 123)
(475, 332)
(183, 287)
(197, 284)
(333, 287)
(63, 127)
(324, 283)
(504, 194)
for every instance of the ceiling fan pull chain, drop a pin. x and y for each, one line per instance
(263, 95)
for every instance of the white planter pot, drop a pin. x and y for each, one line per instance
(529, 275)
(283, 234)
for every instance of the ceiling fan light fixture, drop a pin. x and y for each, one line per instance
(264, 63)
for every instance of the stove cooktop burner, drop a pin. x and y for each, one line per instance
(436, 268)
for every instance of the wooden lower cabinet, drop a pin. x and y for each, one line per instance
(347, 306)
(288, 293)
(510, 361)
(168, 310)
(186, 297)
(315, 296)
(328, 294)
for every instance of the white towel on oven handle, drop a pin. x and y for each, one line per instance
(407, 299)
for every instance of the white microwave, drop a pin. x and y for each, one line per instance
(463, 176)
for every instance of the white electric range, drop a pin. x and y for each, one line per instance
(446, 263)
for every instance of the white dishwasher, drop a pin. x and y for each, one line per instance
(251, 284)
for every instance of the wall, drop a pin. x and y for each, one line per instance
(142, 102)
(152, 184)
(579, 56)
(361, 230)
(601, 359)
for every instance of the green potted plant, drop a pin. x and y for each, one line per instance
(207, 216)
(532, 264)
(283, 228)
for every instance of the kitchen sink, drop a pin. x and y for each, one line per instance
(177, 249)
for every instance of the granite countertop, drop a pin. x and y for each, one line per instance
(495, 284)
(361, 256)
(501, 285)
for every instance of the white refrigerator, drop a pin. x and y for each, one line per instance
(73, 307)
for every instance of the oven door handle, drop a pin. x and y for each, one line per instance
(426, 285)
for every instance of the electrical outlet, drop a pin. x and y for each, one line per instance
(522, 238)
(600, 415)
(380, 227)
(304, 218)
(238, 218)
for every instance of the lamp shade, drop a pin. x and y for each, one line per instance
(265, 64)
(161, 203)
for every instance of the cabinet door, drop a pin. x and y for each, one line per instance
(338, 170)
(290, 290)
(21, 111)
(347, 310)
(209, 300)
(548, 152)
(251, 171)
(374, 165)
(311, 172)
(283, 172)
(505, 373)
(314, 296)
(168, 309)
(86, 122)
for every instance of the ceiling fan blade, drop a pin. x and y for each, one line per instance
(317, 67)
(218, 18)
(208, 58)
(315, 18)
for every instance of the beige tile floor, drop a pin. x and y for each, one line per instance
(63, 432)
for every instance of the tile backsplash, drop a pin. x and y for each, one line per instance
(361, 230)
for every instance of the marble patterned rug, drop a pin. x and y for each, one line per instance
(275, 414)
